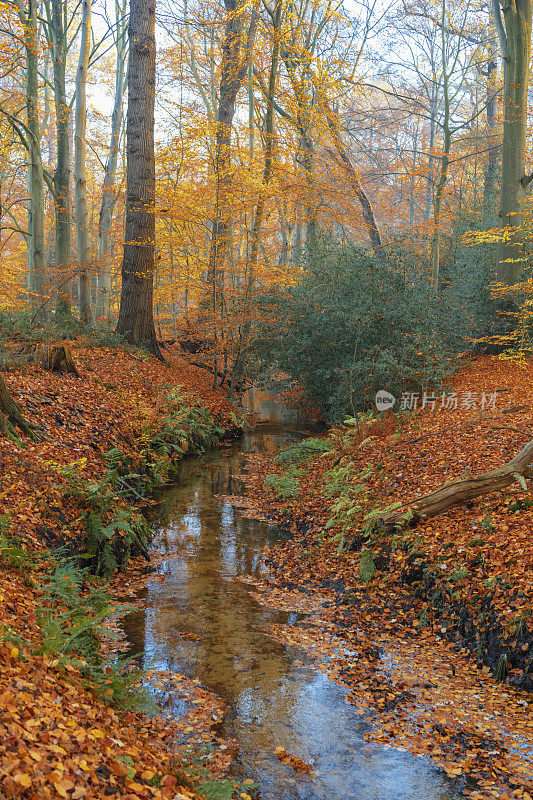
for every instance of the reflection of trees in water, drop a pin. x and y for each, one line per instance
(213, 545)
(262, 402)
(274, 702)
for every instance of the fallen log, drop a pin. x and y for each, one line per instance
(462, 489)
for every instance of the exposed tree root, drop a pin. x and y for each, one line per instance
(10, 416)
(462, 489)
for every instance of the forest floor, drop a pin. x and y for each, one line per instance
(414, 625)
(417, 623)
(58, 739)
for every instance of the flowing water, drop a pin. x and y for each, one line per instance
(276, 695)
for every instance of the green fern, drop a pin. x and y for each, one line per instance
(367, 568)
(303, 451)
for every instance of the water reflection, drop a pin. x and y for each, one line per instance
(277, 697)
(262, 403)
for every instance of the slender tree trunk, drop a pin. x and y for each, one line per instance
(80, 176)
(432, 134)
(368, 214)
(412, 188)
(514, 34)
(238, 368)
(105, 246)
(136, 314)
(444, 162)
(306, 156)
(62, 172)
(233, 72)
(491, 169)
(439, 196)
(251, 114)
(269, 148)
(36, 250)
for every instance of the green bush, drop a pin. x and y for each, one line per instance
(354, 324)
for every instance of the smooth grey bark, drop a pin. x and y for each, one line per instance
(433, 106)
(368, 213)
(136, 314)
(36, 246)
(80, 171)
(491, 168)
(514, 34)
(105, 244)
(238, 368)
(57, 25)
(444, 160)
(236, 55)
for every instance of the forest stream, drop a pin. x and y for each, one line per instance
(276, 695)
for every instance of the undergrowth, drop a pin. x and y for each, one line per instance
(181, 428)
(72, 606)
(286, 484)
(114, 529)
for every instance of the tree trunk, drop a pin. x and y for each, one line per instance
(36, 249)
(80, 177)
(62, 172)
(105, 247)
(444, 162)
(238, 367)
(514, 34)
(232, 73)
(269, 147)
(55, 358)
(433, 106)
(136, 314)
(368, 214)
(490, 176)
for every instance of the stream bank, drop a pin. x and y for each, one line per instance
(429, 612)
(111, 436)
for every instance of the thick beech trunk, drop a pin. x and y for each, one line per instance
(136, 315)
(514, 34)
(462, 489)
